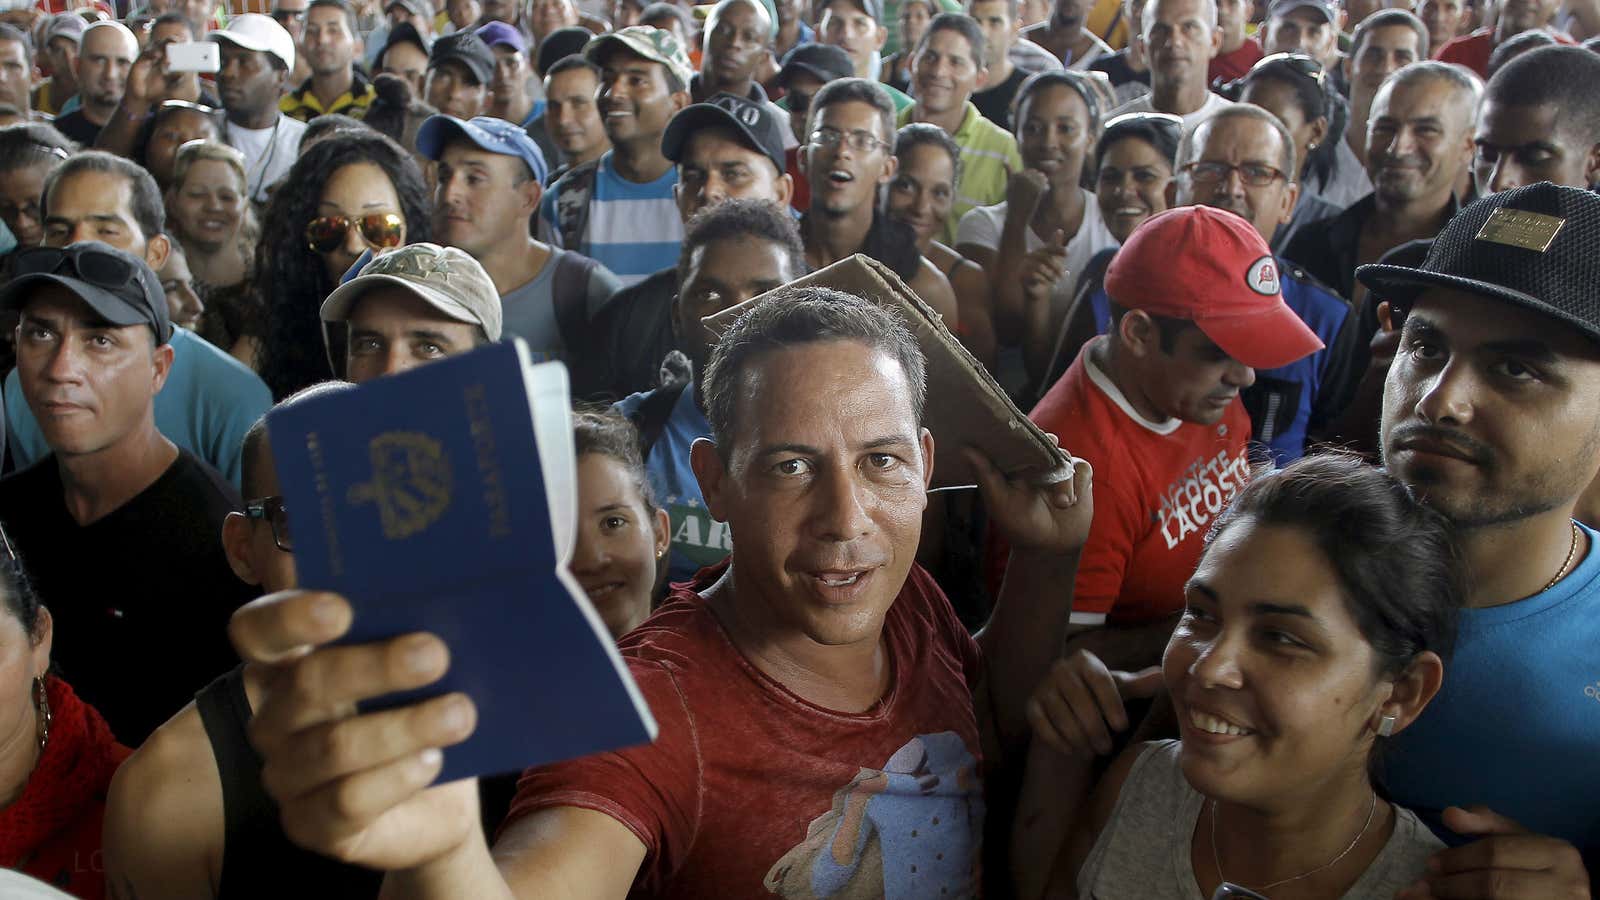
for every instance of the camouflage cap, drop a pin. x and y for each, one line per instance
(653, 44)
(445, 278)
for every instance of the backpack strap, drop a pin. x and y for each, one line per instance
(652, 415)
(569, 292)
(573, 193)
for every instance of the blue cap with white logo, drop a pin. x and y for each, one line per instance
(490, 134)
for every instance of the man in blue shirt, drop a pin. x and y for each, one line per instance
(619, 210)
(210, 399)
(1489, 415)
(733, 251)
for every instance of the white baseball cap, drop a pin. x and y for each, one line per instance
(259, 33)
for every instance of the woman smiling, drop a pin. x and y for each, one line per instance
(1314, 627)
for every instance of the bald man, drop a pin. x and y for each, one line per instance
(105, 55)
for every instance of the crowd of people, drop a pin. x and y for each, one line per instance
(1303, 289)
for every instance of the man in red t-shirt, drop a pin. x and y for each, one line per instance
(1154, 406)
(1239, 50)
(815, 697)
(1473, 50)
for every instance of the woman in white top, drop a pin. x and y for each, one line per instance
(1047, 208)
(1315, 626)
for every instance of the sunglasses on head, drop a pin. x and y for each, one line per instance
(381, 231)
(282, 16)
(1160, 121)
(1299, 63)
(98, 267)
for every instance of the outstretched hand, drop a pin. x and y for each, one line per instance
(1507, 862)
(351, 786)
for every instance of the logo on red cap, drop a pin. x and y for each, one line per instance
(1263, 277)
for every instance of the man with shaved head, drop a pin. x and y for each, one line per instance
(106, 54)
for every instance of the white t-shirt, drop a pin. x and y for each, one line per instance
(982, 226)
(269, 153)
(1213, 103)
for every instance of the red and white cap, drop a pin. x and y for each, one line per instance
(1211, 267)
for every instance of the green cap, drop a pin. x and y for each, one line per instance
(651, 43)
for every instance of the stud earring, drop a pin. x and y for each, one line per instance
(1385, 726)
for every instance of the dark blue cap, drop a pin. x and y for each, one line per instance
(491, 134)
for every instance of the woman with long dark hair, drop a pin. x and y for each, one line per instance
(353, 192)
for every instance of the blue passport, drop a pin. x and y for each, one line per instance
(444, 499)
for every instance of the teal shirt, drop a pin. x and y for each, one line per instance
(208, 403)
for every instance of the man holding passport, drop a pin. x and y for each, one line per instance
(819, 667)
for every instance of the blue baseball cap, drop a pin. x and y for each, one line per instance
(488, 133)
(498, 32)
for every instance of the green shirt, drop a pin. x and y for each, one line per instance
(987, 153)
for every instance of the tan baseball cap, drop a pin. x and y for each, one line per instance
(446, 278)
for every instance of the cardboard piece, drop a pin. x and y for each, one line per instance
(966, 406)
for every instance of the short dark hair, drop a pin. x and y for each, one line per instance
(655, 12)
(925, 134)
(15, 35)
(1563, 77)
(1515, 46)
(28, 144)
(855, 90)
(170, 18)
(1402, 574)
(1466, 84)
(1168, 328)
(17, 591)
(340, 5)
(608, 434)
(1388, 18)
(759, 219)
(330, 124)
(961, 24)
(795, 317)
(1164, 140)
(569, 63)
(148, 210)
(253, 451)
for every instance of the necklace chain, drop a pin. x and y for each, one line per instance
(1216, 856)
(1571, 552)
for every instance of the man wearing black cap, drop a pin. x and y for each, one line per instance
(1489, 416)
(726, 148)
(805, 70)
(405, 54)
(459, 71)
(120, 529)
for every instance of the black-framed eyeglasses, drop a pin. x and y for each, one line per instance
(1299, 63)
(271, 509)
(1252, 174)
(859, 141)
(95, 265)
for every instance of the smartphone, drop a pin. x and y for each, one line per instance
(193, 56)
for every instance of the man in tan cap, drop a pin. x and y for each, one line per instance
(412, 306)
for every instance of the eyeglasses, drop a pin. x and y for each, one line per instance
(859, 141)
(271, 509)
(1299, 63)
(284, 16)
(100, 268)
(381, 231)
(1252, 174)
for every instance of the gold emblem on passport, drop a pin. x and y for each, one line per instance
(410, 482)
(1520, 228)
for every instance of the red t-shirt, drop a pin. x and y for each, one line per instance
(750, 791)
(1473, 50)
(1157, 486)
(1233, 65)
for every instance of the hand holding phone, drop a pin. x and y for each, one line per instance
(193, 56)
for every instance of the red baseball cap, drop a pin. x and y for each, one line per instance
(1211, 267)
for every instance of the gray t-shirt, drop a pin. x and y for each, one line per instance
(529, 312)
(1144, 849)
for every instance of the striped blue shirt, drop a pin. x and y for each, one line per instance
(633, 229)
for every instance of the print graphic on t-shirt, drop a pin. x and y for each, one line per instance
(1189, 502)
(696, 536)
(904, 833)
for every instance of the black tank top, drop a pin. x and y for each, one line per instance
(257, 859)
